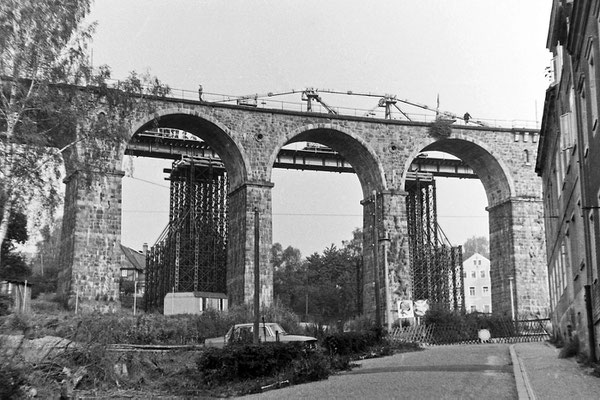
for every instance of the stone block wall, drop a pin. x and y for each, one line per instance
(380, 151)
(91, 252)
(241, 249)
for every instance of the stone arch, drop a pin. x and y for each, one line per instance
(493, 172)
(354, 149)
(368, 166)
(218, 136)
(513, 220)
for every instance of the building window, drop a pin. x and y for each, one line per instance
(482, 274)
(584, 120)
(486, 289)
(471, 291)
(123, 273)
(593, 94)
(473, 274)
(487, 309)
(464, 274)
(473, 308)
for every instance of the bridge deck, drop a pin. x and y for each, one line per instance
(310, 158)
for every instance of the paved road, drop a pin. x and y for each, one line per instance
(445, 372)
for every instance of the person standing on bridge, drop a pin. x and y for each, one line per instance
(466, 117)
(200, 90)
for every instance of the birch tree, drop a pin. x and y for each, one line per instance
(41, 42)
(47, 86)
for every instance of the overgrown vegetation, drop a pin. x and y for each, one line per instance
(570, 349)
(261, 365)
(86, 361)
(324, 288)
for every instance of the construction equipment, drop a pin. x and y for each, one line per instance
(310, 95)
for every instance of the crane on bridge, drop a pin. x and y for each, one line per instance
(310, 95)
(386, 101)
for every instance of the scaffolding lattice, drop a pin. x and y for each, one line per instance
(436, 266)
(191, 253)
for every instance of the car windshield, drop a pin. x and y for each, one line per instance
(276, 328)
(267, 329)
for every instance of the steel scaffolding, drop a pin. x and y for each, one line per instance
(436, 266)
(191, 253)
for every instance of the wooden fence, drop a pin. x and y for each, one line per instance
(533, 330)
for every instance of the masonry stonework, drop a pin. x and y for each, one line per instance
(248, 140)
(91, 240)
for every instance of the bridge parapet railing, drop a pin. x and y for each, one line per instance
(267, 101)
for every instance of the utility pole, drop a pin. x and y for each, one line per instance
(386, 269)
(376, 262)
(512, 300)
(256, 275)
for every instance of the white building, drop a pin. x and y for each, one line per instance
(477, 284)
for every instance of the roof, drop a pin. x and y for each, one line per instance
(135, 258)
(473, 256)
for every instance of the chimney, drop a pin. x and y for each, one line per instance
(145, 249)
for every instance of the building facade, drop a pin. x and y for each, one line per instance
(133, 276)
(568, 162)
(477, 284)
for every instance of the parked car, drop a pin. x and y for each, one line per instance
(268, 332)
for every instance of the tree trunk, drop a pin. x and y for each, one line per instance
(6, 212)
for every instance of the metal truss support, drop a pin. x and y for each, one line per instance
(191, 254)
(436, 266)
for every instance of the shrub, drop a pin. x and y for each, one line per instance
(249, 361)
(12, 379)
(350, 343)
(571, 348)
(5, 304)
(46, 304)
(360, 324)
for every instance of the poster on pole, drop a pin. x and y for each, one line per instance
(405, 309)
(421, 307)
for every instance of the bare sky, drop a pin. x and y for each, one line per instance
(486, 57)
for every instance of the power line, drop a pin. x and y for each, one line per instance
(304, 214)
(147, 181)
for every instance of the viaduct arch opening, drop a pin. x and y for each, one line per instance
(500, 192)
(191, 254)
(363, 161)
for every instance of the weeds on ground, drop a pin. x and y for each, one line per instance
(570, 349)
(88, 365)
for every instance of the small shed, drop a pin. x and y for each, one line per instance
(19, 293)
(194, 302)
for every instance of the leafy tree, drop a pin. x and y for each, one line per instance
(288, 277)
(49, 97)
(355, 247)
(45, 264)
(325, 286)
(476, 244)
(12, 263)
(40, 43)
(332, 285)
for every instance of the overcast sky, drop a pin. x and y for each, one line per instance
(486, 57)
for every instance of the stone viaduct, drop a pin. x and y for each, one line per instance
(248, 140)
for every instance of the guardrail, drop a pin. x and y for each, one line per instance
(267, 101)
